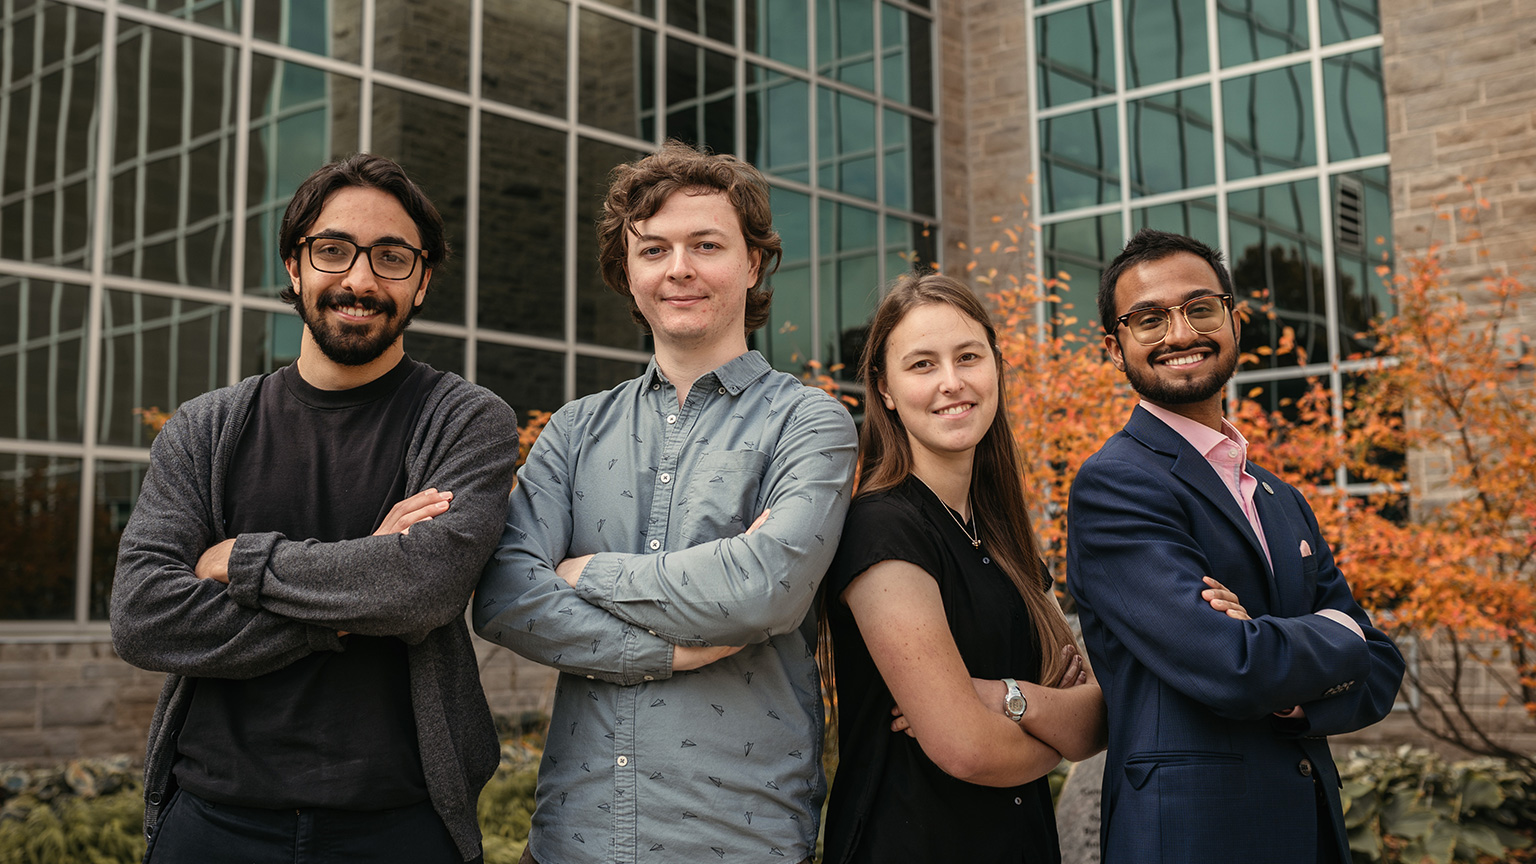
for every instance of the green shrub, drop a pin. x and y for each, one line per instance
(86, 812)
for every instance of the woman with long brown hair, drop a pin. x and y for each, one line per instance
(941, 611)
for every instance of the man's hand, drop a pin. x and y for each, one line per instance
(570, 569)
(686, 658)
(1223, 600)
(214, 563)
(417, 508)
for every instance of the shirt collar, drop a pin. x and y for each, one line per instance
(735, 376)
(1200, 436)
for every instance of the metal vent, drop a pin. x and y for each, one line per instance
(1349, 216)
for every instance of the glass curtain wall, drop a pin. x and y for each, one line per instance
(1257, 126)
(148, 149)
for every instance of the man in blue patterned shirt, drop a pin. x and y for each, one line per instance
(663, 548)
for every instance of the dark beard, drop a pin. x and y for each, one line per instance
(352, 344)
(1160, 392)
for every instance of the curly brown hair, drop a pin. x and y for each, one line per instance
(636, 190)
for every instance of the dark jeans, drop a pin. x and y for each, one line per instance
(529, 859)
(194, 831)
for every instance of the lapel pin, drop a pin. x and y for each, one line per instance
(1266, 487)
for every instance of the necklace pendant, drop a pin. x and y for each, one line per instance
(975, 544)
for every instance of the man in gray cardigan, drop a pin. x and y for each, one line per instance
(299, 560)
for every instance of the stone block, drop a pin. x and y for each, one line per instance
(18, 706)
(26, 652)
(1078, 812)
(78, 705)
(1413, 74)
(1516, 83)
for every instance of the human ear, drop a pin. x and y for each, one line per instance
(890, 404)
(292, 266)
(1112, 347)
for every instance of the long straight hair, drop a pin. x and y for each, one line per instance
(996, 484)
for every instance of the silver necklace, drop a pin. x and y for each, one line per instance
(975, 517)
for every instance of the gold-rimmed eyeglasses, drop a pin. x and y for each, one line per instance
(1204, 315)
(393, 261)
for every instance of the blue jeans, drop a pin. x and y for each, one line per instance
(195, 831)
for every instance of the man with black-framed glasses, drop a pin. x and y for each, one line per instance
(1226, 640)
(299, 560)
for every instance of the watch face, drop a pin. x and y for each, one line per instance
(1015, 703)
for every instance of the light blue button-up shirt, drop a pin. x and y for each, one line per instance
(643, 764)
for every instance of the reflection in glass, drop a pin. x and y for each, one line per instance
(845, 41)
(1249, 30)
(522, 228)
(713, 18)
(1077, 54)
(430, 139)
(424, 41)
(596, 374)
(602, 317)
(1268, 120)
(1357, 105)
(617, 88)
(1079, 155)
(268, 341)
(909, 247)
(1362, 214)
(1164, 40)
(906, 49)
(776, 28)
(1077, 252)
(156, 352)
(525, 378)
(42, 359)
(117, 490)
(701, 96)
(523, 57)
(50, 113)
(326, 29)
(1194, 218)
(849, 279)
(642, 7)
(778, 121)
(39, 536)
(845, 147)
(1173, 143)
(224, 14)
(172, 183)
(1277, 267)
(301, 118)
(1341, 20)
(909, 161)
(1281, 397)
(786, 340)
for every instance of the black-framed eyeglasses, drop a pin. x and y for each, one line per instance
(1204, 315)
(393, 261)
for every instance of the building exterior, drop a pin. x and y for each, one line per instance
(148, 149)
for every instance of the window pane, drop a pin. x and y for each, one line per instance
(1164, 40)
(117, 491)
(778, 117)
(268, 341)
(1357, 106)
(701, 96)
(850, 278)
(909, 161)
(618, 74)
(1079, 155)
(1173, 143)
(522, 228)
(909, 247)
(423, 41)
(50, 114)
(907, 57)
(1268, 120)
(224, 14)
(1362, 242)
(1249, 30)
(845, 41)
(1277, 267)
(327, 29)
(777, 29)
(602, 317)
(786, 341)
(1341, 20)
(156, 352)
(301, 118)
(1195, 218)
(173, 183)
(846, 144)
(525, 378)
(1077, 252)
(1077, 57)
(39, 536)
(596, 374)
(713, 18)
(42, 350)
(642, 7)
(523, 61)
(430, 139)
(443, 353)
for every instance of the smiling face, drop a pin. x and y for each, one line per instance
(689, 270)
(1186, 372)
(941, 379)
(355, 319)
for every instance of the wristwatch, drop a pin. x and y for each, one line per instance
(1014, 704)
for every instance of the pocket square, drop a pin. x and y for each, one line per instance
(1305, 549)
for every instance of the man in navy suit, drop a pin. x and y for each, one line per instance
(1224, 636)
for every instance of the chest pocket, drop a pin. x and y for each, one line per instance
(720, 499)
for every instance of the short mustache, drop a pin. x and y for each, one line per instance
(337, 297)
(1164, 350)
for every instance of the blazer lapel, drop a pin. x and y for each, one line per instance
(1291, 596)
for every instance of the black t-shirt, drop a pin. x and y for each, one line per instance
(889, 802)
(332, 729)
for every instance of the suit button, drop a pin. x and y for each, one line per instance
(1305, 767)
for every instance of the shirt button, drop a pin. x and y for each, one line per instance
(665, 478)
(650, 677)
(721, 391)
(671, 418)
(1305, 767)
(654, 544)
(1018, 800)
(1231, 454)
(622, 760)
(591, 677)
(986, 560)
(655, 386)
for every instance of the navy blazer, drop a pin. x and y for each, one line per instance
(1198, 767)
